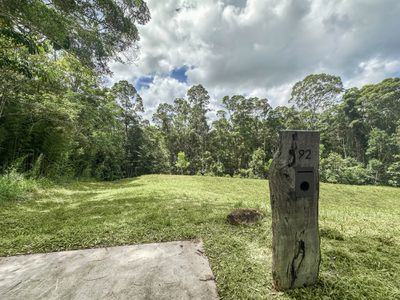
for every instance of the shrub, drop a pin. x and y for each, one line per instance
(14, 186)
(376, 171)
(218, 169)
(181, 163)
(394, 172)
(245, 173)
(335, 169)
(257, 164)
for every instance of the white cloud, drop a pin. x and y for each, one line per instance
(163, 89)
(373, 71)
(262, 47)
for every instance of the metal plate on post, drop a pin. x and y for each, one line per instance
(305, 182)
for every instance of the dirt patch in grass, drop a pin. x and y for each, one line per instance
(244, 216)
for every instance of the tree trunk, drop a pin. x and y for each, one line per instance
(294, 190)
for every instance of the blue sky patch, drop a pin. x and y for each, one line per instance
(143, 82)
(179, 74)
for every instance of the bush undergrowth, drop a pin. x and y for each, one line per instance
(17, 186)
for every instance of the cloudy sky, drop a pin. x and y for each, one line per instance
(261, 47)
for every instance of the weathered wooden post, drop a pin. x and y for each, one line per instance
(294, 190)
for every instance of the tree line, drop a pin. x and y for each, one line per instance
(360, 131)
(57, 119)
(69, 125)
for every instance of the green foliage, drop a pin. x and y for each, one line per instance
(245, 173)
(335, 169)
(37, 171)
(131, 106)
(14, 186)
(257, 163)
(154, 154)
(394, 172)
(181, 163)
(218, 169)
(376, 170)
(268, 165)
(58, 121)
(381, 146)
(365, 127)
(243, 137)
(94, 31)
(64, 125)
(316, 92)
(321, 150)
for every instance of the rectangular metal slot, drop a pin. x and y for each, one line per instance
(305, 181)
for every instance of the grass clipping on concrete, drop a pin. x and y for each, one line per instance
(359, 225)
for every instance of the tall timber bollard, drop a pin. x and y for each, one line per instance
(294, 191)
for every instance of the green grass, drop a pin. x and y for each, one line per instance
(360, 230)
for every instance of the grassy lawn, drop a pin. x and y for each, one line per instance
(360, 230)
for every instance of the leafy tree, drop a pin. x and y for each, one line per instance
(95, 31)
(249, 119)
(258, 164)
(354, 128)
(153, 152)
(181, 126)
(131, 107)
(17, 64)
(130, 102)
(164, 121)
(381, 146)
(376, 170)
(221, 145)
(58, 117)
(163, 117)
(379, 105)
(316, 93)
(198, 100)
(280, 118)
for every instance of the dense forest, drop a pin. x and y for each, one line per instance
(59, 120)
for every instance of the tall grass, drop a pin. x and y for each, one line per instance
(15, 186)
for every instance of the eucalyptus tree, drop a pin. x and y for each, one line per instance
(248, 118)
(181, 131)
(198, 99)
(131, 105)
(315, 93)
(163, 117)
(221, 145)
(164, 121)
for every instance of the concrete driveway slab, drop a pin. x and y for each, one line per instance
(173, 270)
